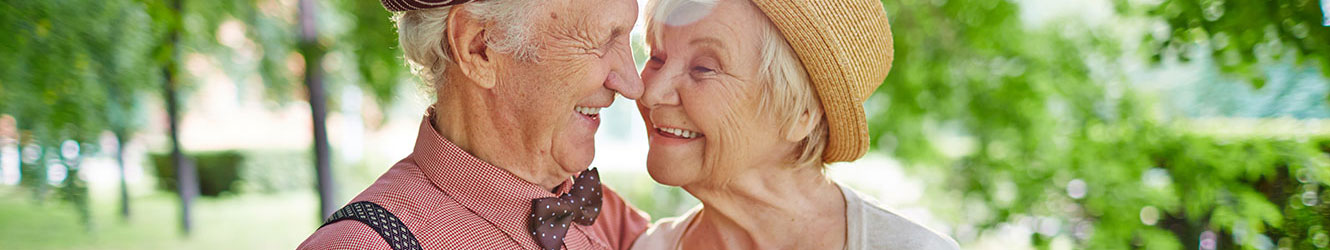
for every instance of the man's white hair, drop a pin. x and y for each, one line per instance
(422, 35)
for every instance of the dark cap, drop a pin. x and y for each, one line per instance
(405, 5)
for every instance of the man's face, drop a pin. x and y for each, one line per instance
(584, 57)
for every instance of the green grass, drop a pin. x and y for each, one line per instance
(278, 221)
(250, 220)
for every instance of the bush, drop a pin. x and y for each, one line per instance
(218, 172)
(273, 172)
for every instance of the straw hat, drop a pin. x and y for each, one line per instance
(846, 47)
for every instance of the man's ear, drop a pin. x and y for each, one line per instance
(801, 127)
(472, 55)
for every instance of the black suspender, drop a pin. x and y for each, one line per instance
(382, 221)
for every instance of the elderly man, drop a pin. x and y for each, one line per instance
(501, 158)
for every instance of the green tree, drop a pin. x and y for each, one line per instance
(67, 76)
(1243, 37)
(361, 33)
(1036, 127)
(358, 31)
(74, 68)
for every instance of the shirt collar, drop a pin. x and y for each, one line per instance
(493, 193)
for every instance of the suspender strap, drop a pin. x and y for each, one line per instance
(382, 221)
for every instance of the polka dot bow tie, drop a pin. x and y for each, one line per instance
(550, 217)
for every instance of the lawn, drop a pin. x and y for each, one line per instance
(252, 221)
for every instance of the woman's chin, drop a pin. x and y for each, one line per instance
(671, 172)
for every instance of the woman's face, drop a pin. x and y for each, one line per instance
(702, 97)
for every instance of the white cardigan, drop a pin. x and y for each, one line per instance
(869, 227)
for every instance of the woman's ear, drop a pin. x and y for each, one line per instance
(472, 55)
(801, 127)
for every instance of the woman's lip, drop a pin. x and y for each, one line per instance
(662, 131)
(667, 138)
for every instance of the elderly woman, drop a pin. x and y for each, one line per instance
(745, 103)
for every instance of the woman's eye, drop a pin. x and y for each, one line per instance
(655, 62)
(703, 70)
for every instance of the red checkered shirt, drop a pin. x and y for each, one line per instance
(451, 200)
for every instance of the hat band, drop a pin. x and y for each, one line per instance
(405, 5)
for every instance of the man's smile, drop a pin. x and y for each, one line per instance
(590, 112)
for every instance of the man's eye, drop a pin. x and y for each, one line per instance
(607, 46)
(703, 70)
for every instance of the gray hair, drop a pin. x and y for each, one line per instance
(788, 90)
(422, 35)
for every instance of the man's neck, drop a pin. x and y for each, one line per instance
(474, 124)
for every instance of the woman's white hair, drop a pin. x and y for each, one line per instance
(788, 90)
(422, 35)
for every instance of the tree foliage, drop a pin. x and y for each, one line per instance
(66, 72)
(1033, 127)
(67, 75)
(1242, 36)
(71, 69)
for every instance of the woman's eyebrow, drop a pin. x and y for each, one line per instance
(712, 47)
(711, 41)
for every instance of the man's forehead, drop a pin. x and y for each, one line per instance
(604, 15)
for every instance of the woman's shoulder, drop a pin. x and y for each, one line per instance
(873, 226)
(665, 233)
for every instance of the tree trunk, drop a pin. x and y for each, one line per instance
(31, 174)
(186, 186)
(186, 179)
(38, 173)
(120, 138)
(318, 105)
(73, 189)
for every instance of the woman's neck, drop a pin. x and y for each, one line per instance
(770, 207)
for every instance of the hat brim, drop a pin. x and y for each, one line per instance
(846, 49)
(847, 127)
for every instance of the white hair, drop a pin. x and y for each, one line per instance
(423, 35)
(790, 93)
(788, 90)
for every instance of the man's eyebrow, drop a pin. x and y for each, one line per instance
(615, 33)
(609, 40)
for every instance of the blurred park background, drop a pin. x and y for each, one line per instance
(1006, 124)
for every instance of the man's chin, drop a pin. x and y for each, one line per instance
(577, 159)
(574, 150)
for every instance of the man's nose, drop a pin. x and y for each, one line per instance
(623, 77)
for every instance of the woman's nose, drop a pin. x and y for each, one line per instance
(660, 89)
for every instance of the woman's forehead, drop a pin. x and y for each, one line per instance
(729, 21)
